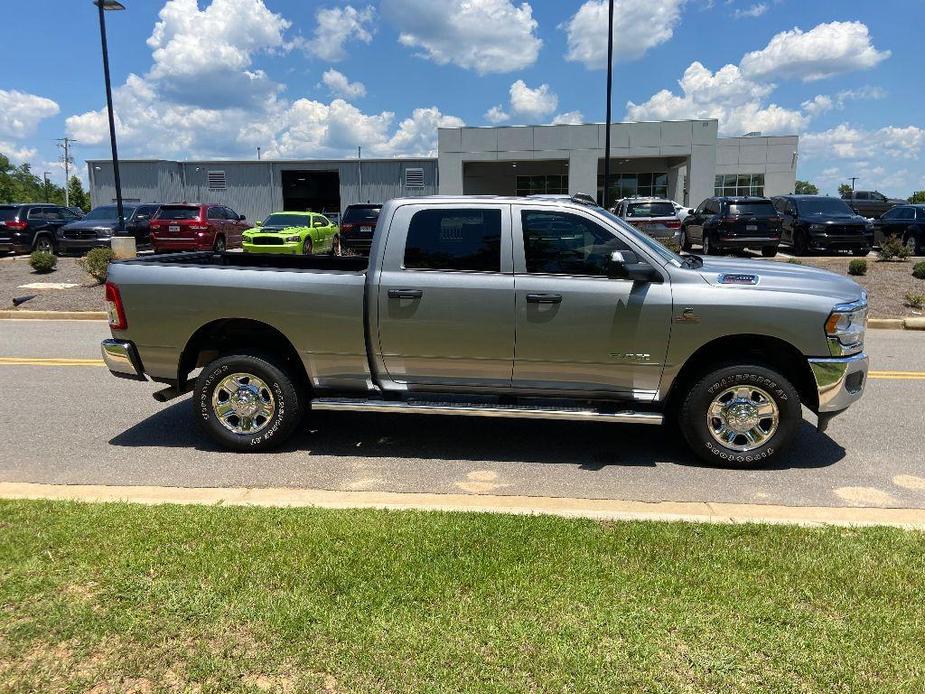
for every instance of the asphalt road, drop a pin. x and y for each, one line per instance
(72, 423)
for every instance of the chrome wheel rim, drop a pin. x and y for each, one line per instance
(706, 245)
(307, 247)
(910, 245)
(44, 245)
(742, 418)
(243, 403)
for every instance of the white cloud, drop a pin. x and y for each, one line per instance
(496, 114)
(638, 26)
(339, 85)
(823, 51)
(532, 103)
(756, 10)
(568, 118)
(337, 26)
(847, 142)
(17, 154)
(20, 112)
(481, 35)
(727, 95)
(822, 103)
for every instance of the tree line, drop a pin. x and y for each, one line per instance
(20, 184)
(807, 188)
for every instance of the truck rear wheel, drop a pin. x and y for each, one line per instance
(245, 402)
(740, 416)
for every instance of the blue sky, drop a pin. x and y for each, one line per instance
(300, 79)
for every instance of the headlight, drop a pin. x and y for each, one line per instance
(294, 239)
(105, 233)
(845, 327)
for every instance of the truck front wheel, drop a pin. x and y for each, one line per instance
(740, 416)
(245, 402)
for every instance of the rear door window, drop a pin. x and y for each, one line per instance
(457, 239)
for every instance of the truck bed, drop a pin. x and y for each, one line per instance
(254, 261)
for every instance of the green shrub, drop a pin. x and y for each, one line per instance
(914, 300)
(918, 270)
(43, 262)
(671, 244)
(96, 263)
(795, 261)
(858, 266)
(893, 248)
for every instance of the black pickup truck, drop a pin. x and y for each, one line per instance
(870, 203)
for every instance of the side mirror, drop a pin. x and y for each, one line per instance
(625, 265)
(242, 218)
(258, 224)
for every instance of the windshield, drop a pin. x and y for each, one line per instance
(108, 213)
(178, 213)
(645, 240)
(825, 206)
(761, 208)
(286, 220)
(650, 209)
(357, 214)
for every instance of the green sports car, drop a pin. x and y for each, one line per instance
(293, 233)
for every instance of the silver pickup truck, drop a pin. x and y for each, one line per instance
(496, 307)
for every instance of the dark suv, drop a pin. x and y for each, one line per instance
(356, 227)
(733, 223)
(97, 228)
(27, 227)
(818, 223)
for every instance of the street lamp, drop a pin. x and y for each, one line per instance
(606, 196)
(104, 6)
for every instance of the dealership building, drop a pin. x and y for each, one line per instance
(686, 161)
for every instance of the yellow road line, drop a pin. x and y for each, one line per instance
(897, 375)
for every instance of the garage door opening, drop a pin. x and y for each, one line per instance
(315, 191)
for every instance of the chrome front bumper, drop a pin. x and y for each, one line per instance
(840, 381)
(122, 360)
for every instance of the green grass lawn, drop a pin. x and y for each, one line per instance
(132, 598)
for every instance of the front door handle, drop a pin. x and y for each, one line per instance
(406, 293)
(544, 298)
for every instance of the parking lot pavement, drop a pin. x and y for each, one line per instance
(72, 423)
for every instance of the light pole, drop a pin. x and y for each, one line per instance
(105, 6)
(606, 197)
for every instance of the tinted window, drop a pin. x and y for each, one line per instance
(758, 208)
(230, 214)
(905, 214)
(820, 206)
(650, 209)
(566, 244)
(454, 240)
(320, 221)
(357, 214)
(53, 214)
(69, 215)
(920, 213)
(178, 212)
(8, 213)
(145, 212)
(286, 220)
(215, 213)
(862, 196)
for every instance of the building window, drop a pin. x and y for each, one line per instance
(627, 185)
(542, 185)
(216, 180)
(739, 184)
(414, 178)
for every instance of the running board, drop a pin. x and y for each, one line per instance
(474, 410)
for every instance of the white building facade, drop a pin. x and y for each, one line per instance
(682, 160)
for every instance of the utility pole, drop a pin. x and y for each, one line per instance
(65, 144)
(359, 173)
(853, 179)
(606, 196)
(45, 175)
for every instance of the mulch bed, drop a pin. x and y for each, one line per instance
(15, 271)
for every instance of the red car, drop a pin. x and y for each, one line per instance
(194, 227)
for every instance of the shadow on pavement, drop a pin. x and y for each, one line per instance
(591, 446)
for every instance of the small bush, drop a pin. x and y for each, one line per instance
(96, 263)
(918, 270)
(893, 248)
(795, 261)
(857, 267)
(914, 300)
(43, 262)
(671, 244)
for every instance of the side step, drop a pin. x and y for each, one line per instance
(476, 410)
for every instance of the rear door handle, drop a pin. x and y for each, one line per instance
(406, 293)
(544, 298)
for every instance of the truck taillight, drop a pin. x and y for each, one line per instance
(116, 309)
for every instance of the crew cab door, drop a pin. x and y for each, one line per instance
(446, 296)
(580, 333)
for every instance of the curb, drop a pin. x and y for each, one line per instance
(595, 509)
(54, 315)
(896, 323)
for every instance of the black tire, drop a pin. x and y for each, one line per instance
(861, 252)
(287, 411)
(684, 241)
(45, 243)
(335, 246)
(800, 243)
(769, 251)
(219, 245)
(708, 245)
(761, 380)
(308, 248)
